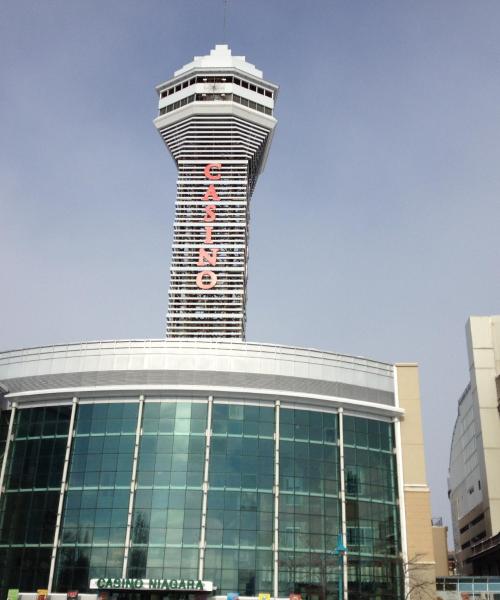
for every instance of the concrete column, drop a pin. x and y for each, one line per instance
(276, 492)
(133, 485)
(342, 499)
(64, 479)
(204, 502)
(7, 447)
(401, 499)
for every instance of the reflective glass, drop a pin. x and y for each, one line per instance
(28, 508)
(309, 504)
(167, 509)
(372, 514)
(240, 499)
(94, 522)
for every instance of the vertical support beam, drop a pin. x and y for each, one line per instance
(133, 485)
(204, 501)
(276, 491)
(62, 492)
(7, 447)
(342, 502)
(401, 501)
(401, 488)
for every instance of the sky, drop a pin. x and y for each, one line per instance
(374, 227)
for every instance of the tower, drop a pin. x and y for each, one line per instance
(216, 118)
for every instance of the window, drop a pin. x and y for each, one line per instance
(167, 509)
(240, 499)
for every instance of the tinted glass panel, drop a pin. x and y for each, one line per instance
(371, 509)
(309, 503)
(28, 508)
(240, 499)
(96, 505)
(167, 510)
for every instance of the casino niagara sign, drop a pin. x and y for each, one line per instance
(131, 583)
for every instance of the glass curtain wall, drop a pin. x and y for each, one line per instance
(28, 508)
(372, 513)
(309, 508)
(167, 508)
(97, 499)
(240, 499)
(166, 518)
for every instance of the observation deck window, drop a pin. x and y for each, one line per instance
(223, 97)
(216, 79)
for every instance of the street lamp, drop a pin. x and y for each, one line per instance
(341, 551)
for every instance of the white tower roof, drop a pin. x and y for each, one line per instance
(220, 57)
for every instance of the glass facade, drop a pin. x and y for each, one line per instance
(373, 540)
(240, 499)
(148, 457)
(309, 503)
(167, 508)
(28, 506)
(474, 588)
(97, 499)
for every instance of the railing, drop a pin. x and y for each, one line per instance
(484, 545)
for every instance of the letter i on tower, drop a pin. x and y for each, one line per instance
(207, 279)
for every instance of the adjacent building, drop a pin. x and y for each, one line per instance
(474, 472)
(440, 544)
(200, 464)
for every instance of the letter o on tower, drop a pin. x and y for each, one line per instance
(201, 280)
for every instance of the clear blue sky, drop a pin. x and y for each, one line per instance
(375, 227)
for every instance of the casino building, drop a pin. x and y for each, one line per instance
(203, 465)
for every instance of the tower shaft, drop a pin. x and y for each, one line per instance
(216, 120)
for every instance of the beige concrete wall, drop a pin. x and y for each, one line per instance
(418, 525)
(420, 548)
(440, 543)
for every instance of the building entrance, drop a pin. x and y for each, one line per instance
(153, 595)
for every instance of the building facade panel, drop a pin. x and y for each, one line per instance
(30, 494)
(96, 503)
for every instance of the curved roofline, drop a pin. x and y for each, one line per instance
(196, 341)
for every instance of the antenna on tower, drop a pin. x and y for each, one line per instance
(224, 21)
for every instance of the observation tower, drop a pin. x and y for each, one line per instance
(216, 118)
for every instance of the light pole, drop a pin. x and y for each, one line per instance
(341, 551)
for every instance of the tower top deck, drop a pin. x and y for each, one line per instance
(220, 57)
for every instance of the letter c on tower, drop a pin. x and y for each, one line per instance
(208, 171)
